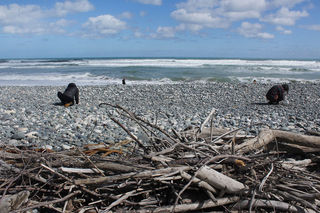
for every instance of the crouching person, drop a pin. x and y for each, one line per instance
(70, 95)
(277, 93)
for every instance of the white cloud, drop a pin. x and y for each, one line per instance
(103, 25)
(38, 28)
(200, 14)
(203, 19)
(190, 15)
(285, 17)
(22, 19)
(196, 15)
(164, 32)
(240, 15)
(16, 14)
(191, 27)
(23, 30)
(283, 31)
(32, 19)
(153, 2)
(198, 5)
(238, 10)
(63, 8)
(250, 30)
(63, 22)
(60, 25)
(244, 5)
(265, 35)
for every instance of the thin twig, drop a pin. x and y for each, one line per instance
(265, 178)
(129, 133)
(120, 200)
(232, 131)
(206, 120)
(252, 201)
(90, 161)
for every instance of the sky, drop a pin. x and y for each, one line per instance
(277, 29)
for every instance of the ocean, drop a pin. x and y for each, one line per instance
(103, 71)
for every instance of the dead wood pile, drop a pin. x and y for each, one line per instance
(199, 169)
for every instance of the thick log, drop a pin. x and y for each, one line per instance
(299, 139)
(117, 167)
(199, 182)
(291, 148)
(267, 136)
(219, 180)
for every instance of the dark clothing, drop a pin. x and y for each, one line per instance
(71, 94)
(276, 94)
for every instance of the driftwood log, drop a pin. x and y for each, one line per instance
(267, 136)
(219, 180)
(199, 169)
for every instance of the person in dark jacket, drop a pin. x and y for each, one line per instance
(277, 93)
(70, 95)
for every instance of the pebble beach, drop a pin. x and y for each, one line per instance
(29, 115)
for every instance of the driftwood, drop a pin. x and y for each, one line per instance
(197, 181)
(267, 136)
(144, 174)
(13, 202)
(220, 181)
(272, 205)
(197, 206)
(199, 169)
(292, 148)
(297, 165)
(117, 167)
(79, 170)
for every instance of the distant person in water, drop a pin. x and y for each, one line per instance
(123, 81)
(70, 95)
(277, 93)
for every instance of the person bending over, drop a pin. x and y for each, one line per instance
(277, 93)
(70, 95)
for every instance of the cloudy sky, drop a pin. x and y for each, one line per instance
(160, 28)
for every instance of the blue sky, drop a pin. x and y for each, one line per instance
(160, 28)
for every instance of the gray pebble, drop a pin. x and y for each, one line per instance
(18, 136)
(169, 106)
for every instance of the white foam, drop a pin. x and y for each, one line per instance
(44, 79)
(85, 71)
(43, 64)
(264, 64)
(272, 80)
(201, 63)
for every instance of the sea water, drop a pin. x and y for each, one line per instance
(103, 71)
